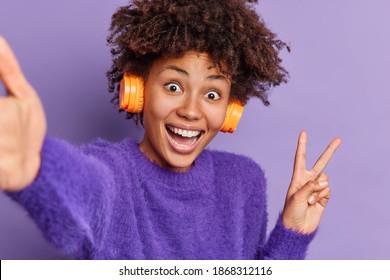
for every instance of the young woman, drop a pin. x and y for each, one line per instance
(188, 64)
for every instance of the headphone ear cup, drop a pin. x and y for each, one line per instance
(131, 94)
(233, 115)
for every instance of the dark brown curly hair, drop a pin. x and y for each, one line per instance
(230, 31)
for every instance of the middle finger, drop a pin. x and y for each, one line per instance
(323, 160)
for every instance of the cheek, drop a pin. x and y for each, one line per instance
(155, 108)
(215, 117)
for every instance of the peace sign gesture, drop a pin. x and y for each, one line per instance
(22, 125)
(309, 190)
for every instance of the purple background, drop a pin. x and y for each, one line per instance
(338, 87)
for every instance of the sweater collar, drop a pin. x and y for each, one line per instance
(199, 177)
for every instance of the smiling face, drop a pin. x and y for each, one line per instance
(185, 105)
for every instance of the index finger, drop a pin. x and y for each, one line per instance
(323, 160)
(10, 72)
(300, 155)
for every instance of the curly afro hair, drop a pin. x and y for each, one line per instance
(230, 31)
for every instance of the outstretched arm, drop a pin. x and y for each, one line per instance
(66, 191)
(22, 125)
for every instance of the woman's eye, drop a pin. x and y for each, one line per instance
(212, 95)
(173, 87)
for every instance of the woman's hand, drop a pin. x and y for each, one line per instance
(309, 190)
(22, 125)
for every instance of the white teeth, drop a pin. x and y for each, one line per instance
(183, 132)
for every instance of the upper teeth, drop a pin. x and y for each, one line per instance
(183, 132)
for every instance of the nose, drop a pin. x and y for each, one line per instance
(190, 109)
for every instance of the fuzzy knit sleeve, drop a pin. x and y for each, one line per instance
(286, 244)
(70, 199)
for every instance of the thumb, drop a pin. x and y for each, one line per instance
(10, 72)
(305, 194)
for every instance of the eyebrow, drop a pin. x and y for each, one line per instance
(175, 68)
(217, 77)
(184, 72)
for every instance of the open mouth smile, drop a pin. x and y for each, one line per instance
(183, 140)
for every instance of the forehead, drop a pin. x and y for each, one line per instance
(191, 62)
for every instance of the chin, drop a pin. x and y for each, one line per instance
(181, 163)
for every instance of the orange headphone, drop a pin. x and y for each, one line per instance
(131, 99)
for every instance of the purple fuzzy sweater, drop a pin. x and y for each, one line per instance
(108, 201)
